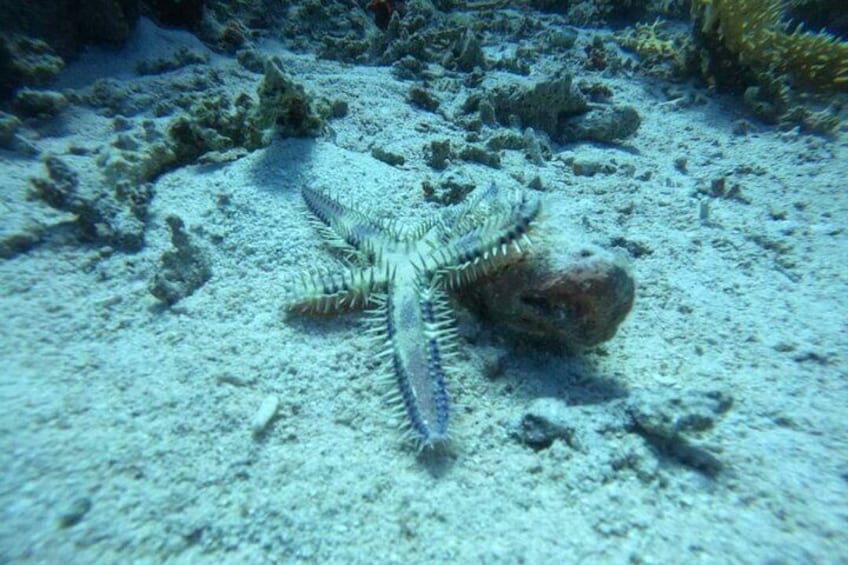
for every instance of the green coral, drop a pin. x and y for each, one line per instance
(756, 33)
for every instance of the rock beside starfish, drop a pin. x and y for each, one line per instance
(568, 296)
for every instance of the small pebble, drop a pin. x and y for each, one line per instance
(75, 512)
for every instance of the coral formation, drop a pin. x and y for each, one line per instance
(283, 105)
(557, 107)
(29, 102)
(183, 270)
(9, 126)
(35, 36)
(26, 62)
(215, 124)
(662, 52)
(754, 31)
(107, 215)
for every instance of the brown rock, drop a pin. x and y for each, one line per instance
(570, 297)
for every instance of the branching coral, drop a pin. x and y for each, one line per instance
(661, 52)
(755, 32)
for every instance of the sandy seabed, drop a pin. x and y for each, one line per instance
(126, 429)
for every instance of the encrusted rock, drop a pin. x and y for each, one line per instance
(62, 28)
(674, 424)
(451, 189)
(284, 104)
(422, 98)
(569, 297)
(469, 52)
(561, 110)
(9, 125)
(650, 427)
(184, 269)
(545, 106)
(19, 234)
(112, 215)
(41, 103)
(477, 154)
(437, 153)
(388, 157)
(180, 58)
(25, 61)
(137, 155)
(683, 414)
(603, 123)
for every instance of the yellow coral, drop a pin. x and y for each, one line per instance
(656, 46)
(754, 30)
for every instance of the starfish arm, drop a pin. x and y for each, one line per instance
(328, 292)
(351, 227)
(470, 214)
(502, 240)
(418, 335)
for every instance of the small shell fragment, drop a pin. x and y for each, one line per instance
(262, 418)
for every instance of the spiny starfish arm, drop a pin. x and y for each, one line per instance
(470, 214)
(418, 334)
(502, 240)
(328, 292)
(350, 226)
(420, 231)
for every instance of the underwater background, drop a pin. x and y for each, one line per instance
(601, 247)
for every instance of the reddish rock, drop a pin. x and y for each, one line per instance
(573, 298)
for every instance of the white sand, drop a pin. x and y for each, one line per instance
(109, 397)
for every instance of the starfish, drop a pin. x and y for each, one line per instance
(403, 277)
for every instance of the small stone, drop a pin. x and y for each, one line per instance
(74, 514)
(339, 109)
(591, 168)
(544, 421)
(234, 379)
(393, 159)
(422, 98)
